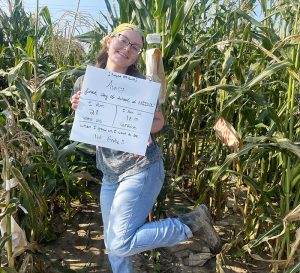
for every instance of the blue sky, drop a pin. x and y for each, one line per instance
(58, 8)
(88, 8)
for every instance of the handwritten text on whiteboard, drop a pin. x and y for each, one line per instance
(115, 111)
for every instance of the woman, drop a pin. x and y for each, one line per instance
(131, 183)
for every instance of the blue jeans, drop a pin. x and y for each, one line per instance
(125, 207)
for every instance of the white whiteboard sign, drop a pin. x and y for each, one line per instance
(115, 111)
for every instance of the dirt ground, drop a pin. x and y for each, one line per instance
(80, 246)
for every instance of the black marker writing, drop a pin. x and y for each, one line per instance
(89, 91)
(118, 89)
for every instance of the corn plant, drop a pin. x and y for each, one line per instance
(35, 88)
(229, 64)
(220, 61)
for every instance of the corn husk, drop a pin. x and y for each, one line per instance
(17, 234)
(226, 133)
(292, 216)
(155, 71)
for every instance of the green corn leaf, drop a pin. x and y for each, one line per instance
(29, 48)
(273, 115)
(9, 209)
(45, 14)
(250, 19)
(226, 87)
(264, 5)
(179, 22)
(269, 71)
(86, 148)
(229, 159)
(90, 36)
(14, 73)
(295, 181)
(3, 240)
(288, 145)
(49, 187)
(33, 202)
(102, 27)
(143, 15)
(228, 62)
(296, 170)
(24, 94)
(52, 76)
(28, 194)
(27, 170)
(111, 14)
(264, 237)
(182, 17)
(48, 136)
(234, 97)
(38, 95)
(162, 7)
(178, 75)
(66, 151)
(125, 12)
(285, 145)
(22, 182)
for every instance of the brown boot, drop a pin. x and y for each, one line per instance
(201, 224)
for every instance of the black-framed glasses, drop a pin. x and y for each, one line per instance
(124, 42)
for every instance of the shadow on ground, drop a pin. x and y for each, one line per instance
(81, 246)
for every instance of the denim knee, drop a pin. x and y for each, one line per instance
(119, 247)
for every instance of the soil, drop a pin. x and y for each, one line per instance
(80, 245)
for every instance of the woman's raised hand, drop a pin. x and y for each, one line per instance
(75, 100)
